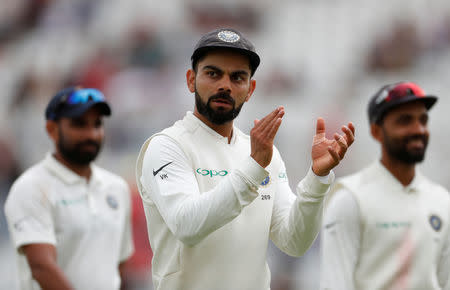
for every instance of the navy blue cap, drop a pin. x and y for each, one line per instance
(225, 38)
(73, 102)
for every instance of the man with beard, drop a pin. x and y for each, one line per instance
(387, 226)
(212, 195)
(69, 219)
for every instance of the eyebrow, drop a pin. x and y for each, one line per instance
(215, 68)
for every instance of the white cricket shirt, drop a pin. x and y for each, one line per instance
(87, 222)
(211, 209)
(379, 234)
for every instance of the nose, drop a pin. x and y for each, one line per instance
(225, 84)
(93, 133)
(419, 128)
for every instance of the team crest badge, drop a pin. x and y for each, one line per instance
(435, 222)
(112, 202)
(228, 36)
(266, 181)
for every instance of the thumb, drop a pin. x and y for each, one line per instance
(256, 121)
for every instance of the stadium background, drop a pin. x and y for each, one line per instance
(319, 58)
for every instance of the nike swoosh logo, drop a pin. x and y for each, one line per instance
(332, 224)
(156, 172)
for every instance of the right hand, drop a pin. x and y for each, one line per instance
(262, 136)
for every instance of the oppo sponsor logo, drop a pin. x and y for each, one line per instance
(211, 172)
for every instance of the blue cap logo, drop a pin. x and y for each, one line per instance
(228, 36)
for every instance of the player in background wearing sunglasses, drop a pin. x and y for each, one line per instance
(69, 219)
(387, 226)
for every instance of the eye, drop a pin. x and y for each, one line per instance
(237, 77)
(424, 119)
(78, 123)
(211, 73)
(98, 123)
(404, 120)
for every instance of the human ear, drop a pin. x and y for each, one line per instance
(190, 80)
(52, 130)
(376, 132)
(251, 90)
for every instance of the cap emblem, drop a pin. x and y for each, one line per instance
(228, 36)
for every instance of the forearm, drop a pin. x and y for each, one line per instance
(199, 215)
(50, 277)
(189, 213)
(301, 222)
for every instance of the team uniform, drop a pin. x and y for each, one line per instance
(379, 234)
(87, 222)
(211, 208)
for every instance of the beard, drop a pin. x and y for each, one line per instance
(73, 153)
(219, 116)
(397, 148)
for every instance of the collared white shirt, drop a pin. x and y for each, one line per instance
(211, 209)
(379, 234)
(87, 222)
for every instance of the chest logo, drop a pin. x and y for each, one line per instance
(211, 172)
(435, 222)
(266, 181)
(112, 202)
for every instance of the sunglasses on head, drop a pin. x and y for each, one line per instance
(83, 96)
(402, 90)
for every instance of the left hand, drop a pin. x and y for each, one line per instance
(327, 153)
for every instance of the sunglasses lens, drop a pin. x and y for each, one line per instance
(84, 95)
(404, 90)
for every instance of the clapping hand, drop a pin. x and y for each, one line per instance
(327, 153)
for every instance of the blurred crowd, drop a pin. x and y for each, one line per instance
(319, 58)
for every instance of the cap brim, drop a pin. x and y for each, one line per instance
(79, 110)
(429, 101)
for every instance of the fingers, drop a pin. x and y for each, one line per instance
(334, 155)
(320, 126)
(268, 126)
(342, 143)
(349, 133)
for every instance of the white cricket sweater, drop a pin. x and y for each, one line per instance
(379, 234)
(211, 209)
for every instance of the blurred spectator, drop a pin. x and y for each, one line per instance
(396, 50)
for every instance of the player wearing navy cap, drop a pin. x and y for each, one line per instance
(213, 196)
(387, 226)
(69, 219)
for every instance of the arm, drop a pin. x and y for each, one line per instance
(29, 215)
(443, 266)
(44, 268)
(340, 242)
(170, 182)
(192, 216)
(296, 219)
(127, 247)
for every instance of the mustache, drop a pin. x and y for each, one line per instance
(221, 95)
(416, 137)
(88, 142)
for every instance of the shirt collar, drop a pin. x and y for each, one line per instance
(391, 180)
(64, 173)
(194, 121)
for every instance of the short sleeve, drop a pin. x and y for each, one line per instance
(127, 247)
(29, 214)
